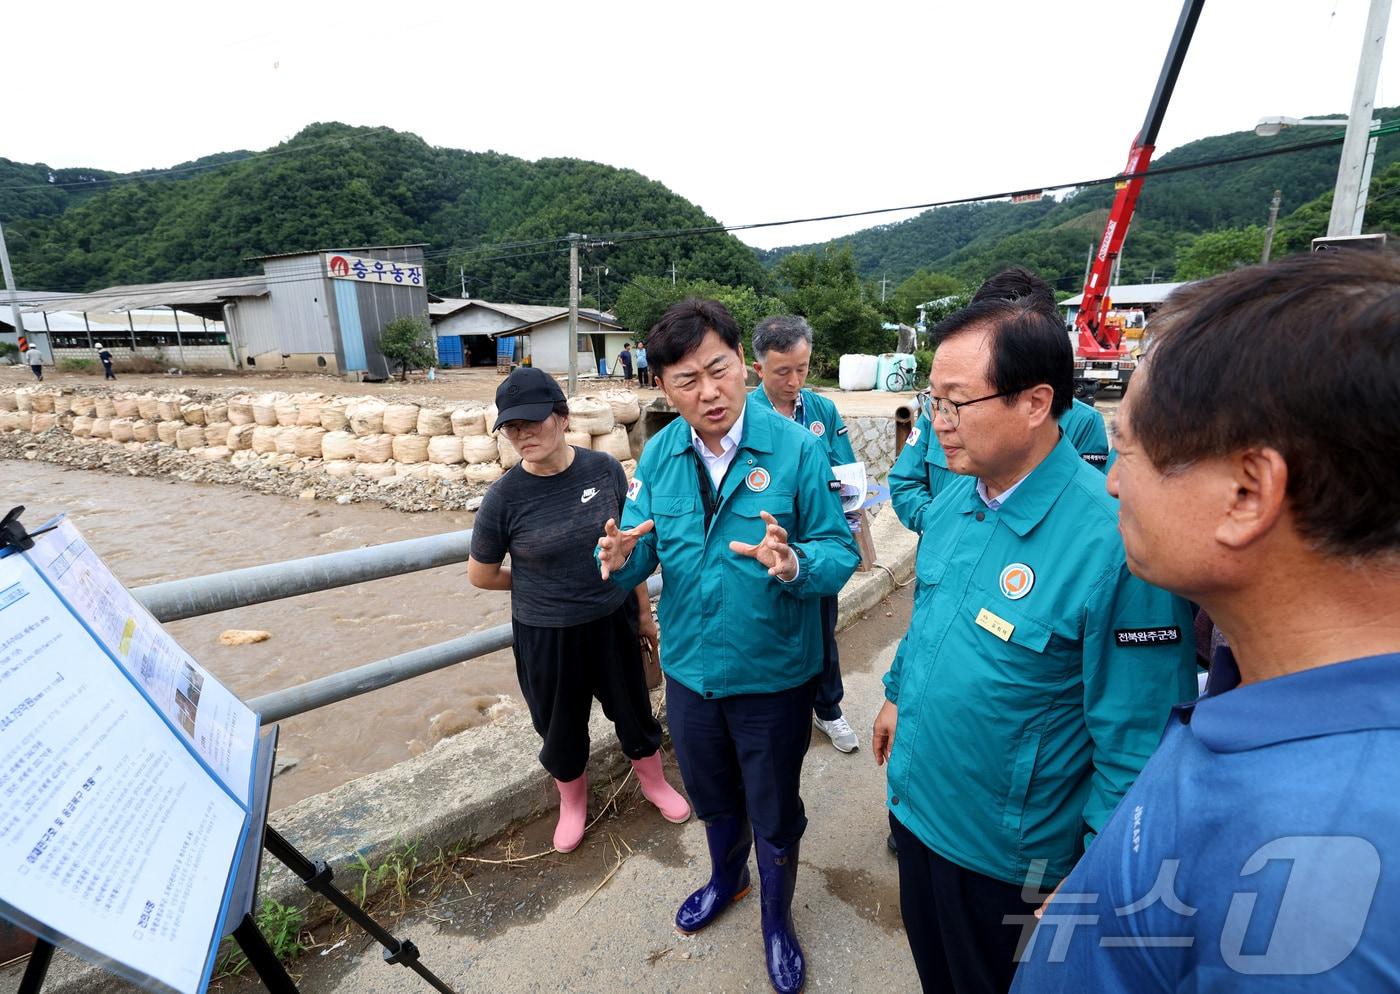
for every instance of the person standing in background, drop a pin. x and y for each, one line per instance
(625, 357)
(35, 360)
(643, 371)
(106, 358)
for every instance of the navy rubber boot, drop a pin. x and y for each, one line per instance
(729, 841)
(777, 879)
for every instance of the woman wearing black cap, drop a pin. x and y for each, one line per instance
(576, 635)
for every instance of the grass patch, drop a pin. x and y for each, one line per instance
(71, 365)
(282, 926)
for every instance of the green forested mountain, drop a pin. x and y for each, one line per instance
(970, 241)
(337, 186)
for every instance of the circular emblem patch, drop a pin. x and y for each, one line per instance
(1016, 581)
(818, 429)
(757, 480)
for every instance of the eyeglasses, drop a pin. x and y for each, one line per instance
(514, 429)
(951, 410)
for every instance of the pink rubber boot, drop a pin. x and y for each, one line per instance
(673, 807)
(573, 813)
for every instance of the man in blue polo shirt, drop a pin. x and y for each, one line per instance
(1259, 850)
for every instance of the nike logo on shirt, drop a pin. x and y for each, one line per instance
(588, 495)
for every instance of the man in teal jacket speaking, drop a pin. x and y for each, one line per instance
(1037, 674)
(736, 505)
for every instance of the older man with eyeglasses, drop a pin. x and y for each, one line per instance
(1037, 674)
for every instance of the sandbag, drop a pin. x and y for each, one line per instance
(489, 416)
(84, 406)
(144, 431)
(120, 427)
(147, 407)
(287, 439)
(193, 414)
(614, 443)
(82, 425)
(445, 450)
(215, 453)
(337, 446)
(309, 415)
(24, 421)
(374, 448)
(625, 406)
(7, 401)
(416, 471)
(506, 453)
(106, 407)
(366, 416)
(24, 401)
(434, 421)
(634, 438)
(217, 433)
(265, 439)
(189, 437)
(168, 408)
(215, 412)
(246, 457)
(480, 448)
(447, 474)
(410, 448)
(240, 411)
(240, 437)
(127, 407)
(101, 427)
(375, 470)
(482, 472)
(42, 422)
(309, 439)
(471, 421)
(165, 430)
(265, 409)
(286, 411)
(41, 403)
(338, 467)
(9, 419)
(580, 438)
(592, 416)
(400, 419)
(63, 404)
(333, 416)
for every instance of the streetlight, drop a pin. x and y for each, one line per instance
(1268, 127)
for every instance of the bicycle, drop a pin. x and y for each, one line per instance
(901, 380)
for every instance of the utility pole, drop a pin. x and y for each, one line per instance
(1348, 205)
(883, 283)
(1273, 220)
(1088, 266)
(673, 272)
(574, 240)
(10, 286)
(598, 273)
(462, 274)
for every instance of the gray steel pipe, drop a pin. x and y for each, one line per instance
(395, 669)
(176, 600)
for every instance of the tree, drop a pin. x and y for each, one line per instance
(921, 288)
(408, 341)
(642, 302)
(825, 288)
(1219, 251)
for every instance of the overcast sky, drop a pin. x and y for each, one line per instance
(756, 111)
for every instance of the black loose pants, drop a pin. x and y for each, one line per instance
(561, 670)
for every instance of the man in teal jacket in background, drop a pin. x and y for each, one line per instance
(736, 505)
(782, 349)
(1037, 674)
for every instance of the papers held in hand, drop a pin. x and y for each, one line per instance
(858, 490)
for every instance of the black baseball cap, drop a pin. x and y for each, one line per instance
(528, 394)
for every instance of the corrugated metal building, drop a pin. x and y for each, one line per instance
(541, 333)
(325, 310)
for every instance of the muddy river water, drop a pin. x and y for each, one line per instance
(150, 530)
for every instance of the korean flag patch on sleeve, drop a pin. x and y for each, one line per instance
(633, 489)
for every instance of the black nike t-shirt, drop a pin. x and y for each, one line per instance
(549, 525)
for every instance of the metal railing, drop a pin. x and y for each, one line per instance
(177, 600)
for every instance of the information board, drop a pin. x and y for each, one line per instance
(125, 773)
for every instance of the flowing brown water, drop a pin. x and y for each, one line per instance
(150, 530)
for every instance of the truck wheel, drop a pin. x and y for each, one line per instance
(1086, 390)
